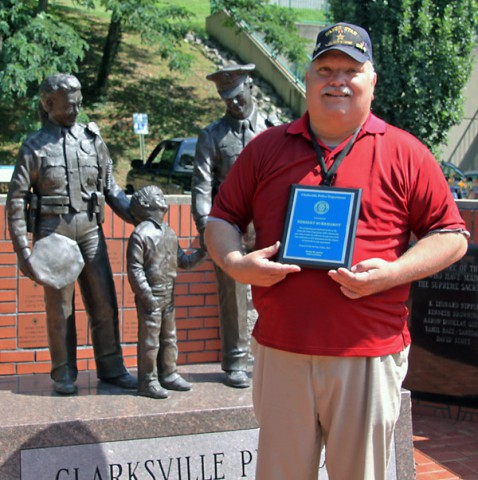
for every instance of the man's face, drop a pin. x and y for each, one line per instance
(241, 105)
(339, 90)
(63, 107)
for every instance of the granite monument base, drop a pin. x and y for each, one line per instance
(104, 432)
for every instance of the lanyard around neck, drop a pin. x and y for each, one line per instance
(328, 175)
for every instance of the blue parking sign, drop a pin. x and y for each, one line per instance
(140, 123)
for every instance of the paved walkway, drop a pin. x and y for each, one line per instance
(445, 444)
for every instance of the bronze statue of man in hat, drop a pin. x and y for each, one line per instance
(218, 147)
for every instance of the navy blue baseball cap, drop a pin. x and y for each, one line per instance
(345, 37)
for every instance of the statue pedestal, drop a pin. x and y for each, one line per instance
(105, 432)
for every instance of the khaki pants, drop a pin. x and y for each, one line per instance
(348, 404)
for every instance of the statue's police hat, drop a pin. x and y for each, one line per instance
(56, 261)
(230, 80)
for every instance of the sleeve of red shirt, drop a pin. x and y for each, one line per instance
(431, 204)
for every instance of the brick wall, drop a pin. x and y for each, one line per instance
(23, 339)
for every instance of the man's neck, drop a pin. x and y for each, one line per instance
(333, 138)
(334, 132)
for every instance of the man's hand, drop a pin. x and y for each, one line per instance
(429, 255)
(256, 268)
(366, 278)
(24, 264)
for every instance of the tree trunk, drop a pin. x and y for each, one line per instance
(42, 6)
(109, 54)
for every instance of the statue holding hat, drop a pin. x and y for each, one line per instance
(61, 182)
(219, 145)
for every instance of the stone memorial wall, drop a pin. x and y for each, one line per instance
(443, 323)
(445, 311)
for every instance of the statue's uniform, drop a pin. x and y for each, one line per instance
(218, 147)
(61, 182)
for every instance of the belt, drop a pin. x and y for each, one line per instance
(58, 200)
(54, 205)
(59, 205)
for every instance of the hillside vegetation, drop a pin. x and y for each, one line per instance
(176, 104)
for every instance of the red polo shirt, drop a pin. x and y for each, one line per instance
(403, 192)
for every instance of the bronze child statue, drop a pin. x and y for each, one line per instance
(153, 256)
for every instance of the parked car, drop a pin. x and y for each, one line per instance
(169, 166)
(472, 178)
(471, 175)
(459, 184)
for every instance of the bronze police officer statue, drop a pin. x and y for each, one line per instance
(62, 179)
(219, 145)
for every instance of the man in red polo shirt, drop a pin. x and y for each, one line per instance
(330, 346)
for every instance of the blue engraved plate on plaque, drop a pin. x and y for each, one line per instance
(320, 226)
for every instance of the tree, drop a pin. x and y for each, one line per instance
(423, 53)
(165, 26)
(276, 25)
(33, 45)
(42, 5)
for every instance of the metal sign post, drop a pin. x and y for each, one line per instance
(140, 126)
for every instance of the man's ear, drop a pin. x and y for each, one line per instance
(47, 104)
(374, 83)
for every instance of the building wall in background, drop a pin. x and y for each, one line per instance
(310, 4)
(462, 148)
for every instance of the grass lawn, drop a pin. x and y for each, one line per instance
(200, 8)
